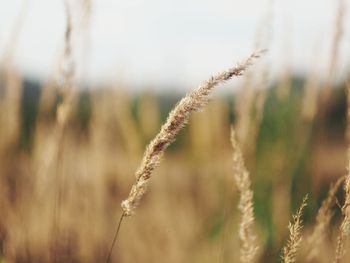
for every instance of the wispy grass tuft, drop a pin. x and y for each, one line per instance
(247, 235)
(345, 224)
(323, 218)
(295, 226)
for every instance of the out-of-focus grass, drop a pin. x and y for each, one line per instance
(193, 193)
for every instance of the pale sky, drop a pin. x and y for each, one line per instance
(172, 42)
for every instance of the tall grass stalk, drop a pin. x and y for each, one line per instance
(178, 117)
(247, 236)
(335, 47)
(323, 218)
(345, 224)
(295, 226)
(63, 112)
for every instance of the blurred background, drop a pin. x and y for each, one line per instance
(85, 85)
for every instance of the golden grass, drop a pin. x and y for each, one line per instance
(178, 117)
(345, 223)
(87, 170)
(246, 230)
(323, 218)
(295, 236)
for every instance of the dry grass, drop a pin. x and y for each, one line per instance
(345, 224)
(246, 230)
(295, 236)
(58, 196)
(323, 219)
(335, 47)
(178, 117)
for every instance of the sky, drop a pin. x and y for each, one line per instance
(158, 43)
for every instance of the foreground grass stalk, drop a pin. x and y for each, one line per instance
(246, 231)
(291, 248)
(178, 117)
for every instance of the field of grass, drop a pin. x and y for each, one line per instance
(256, 175)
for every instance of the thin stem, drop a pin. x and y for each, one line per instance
(115, 238)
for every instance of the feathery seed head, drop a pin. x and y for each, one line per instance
(177, 119)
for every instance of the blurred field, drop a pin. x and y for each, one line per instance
(62, 180)
(190, 213)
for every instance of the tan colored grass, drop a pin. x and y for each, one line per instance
(67, 73)
(243, 107)
(148, 113)
(259, 110)
(64, 106)
(284, 85)
(347, 132)
(178, 117)
(251, 97)
(336, 41)
(309, 103)
(345, 224)
(55, 160)
(323, 218)
(127, 125)
(311, 90)
(11, 99)
(295, 226)
(247, 235)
